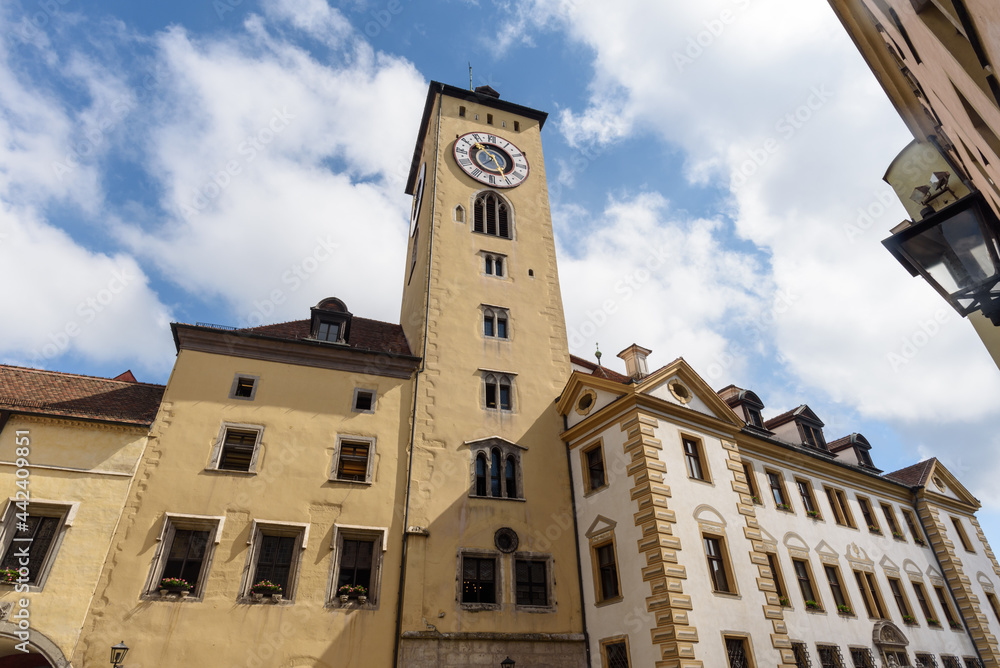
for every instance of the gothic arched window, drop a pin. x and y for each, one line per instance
(496, 469)
(481, 474)
(491, 215)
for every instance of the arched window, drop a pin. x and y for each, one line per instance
(495, 473)
(459, 214)
(495, 323)
(494, 264)
(497, 392)
(481, 474)
(510, 478)
(492, 215)
(496, 469)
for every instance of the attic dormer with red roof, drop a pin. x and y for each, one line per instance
(799, 426)
(854, 450)
(746, 404)
(331, 321)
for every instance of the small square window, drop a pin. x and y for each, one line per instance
(517, 126)
(489, 119)
(353, 459)
(328, 331)
(479, 579)
(237, 448)
(364, 401)
(244, 387)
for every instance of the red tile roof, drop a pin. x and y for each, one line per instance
(599, 371)
(40, 392)
(913, 476)
(372, 335)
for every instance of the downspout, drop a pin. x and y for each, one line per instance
(576, 543)
(416, 387)
(951, 593)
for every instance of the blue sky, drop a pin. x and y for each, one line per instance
(234, 162)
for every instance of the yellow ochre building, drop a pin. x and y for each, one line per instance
(458, 490)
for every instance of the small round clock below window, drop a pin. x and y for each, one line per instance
(506, 540)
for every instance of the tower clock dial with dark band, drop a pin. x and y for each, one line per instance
(491, 160)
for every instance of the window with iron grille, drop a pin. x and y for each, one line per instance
(532, 582)
(862, 657)
(617, 654)
(736, 648)
(801, 653)
(829, 656)
(479, 579)
(238, 448)
(973, 662)
(951, 662)
(924, 661)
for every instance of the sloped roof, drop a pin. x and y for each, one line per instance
(788, 416)
(371, 335)
(599, 371)
(58, 394)
(913, 476)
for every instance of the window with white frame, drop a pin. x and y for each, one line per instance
(32, 534)
(274, 558)
(498, 391)
(357, 563)
(353, 459)
(496, 322)
(237, 447)
(186, 547)
(496, 469)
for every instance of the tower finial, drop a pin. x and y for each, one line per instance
(598, 354)
(470, 75)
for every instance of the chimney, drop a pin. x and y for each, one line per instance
(635, 361)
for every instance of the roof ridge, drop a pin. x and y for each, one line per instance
(70, 374)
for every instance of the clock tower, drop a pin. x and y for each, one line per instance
(490, 565)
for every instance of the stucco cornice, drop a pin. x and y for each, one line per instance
(303, 353)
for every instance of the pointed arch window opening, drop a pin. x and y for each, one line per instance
(496, 472)
(491, 215)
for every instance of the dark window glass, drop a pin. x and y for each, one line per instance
(488, 324)
(532, 584)
(897, 593)
(478, 580)
(510, 478)
(862, 658)
(328, 331)
(480, 474)
(866, 512)
(948, 615)
(774, 480)
(244, 387)
(499, 267)
(801, 653)
(806, 493)
(489, 265)
(237, 450)
(890, 517)
(36, 534)
(595, 467)
(607, 571)
(275, 560)
(912, 525)
(491, 392)
(779, 587)
(805, 584)
(185, 555)
(829, 656)
(693, 459)
(925, 606)
(356, 559)
(737, 652)
(363, 402)
(501, 326)
(834, 579)
(755, 418)
(504, 395)
(617, 654)
(495, 474)
(716, 565)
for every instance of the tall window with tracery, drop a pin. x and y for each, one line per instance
(496, 474)
(491, 215)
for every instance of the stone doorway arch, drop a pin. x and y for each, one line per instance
(43, 653)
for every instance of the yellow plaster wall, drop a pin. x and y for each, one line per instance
(450, 397)
(302, 410)
(95, 453)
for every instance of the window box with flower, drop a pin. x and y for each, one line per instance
(812, 605)
(175, 586)
(8, 576)
(845, 610)
(266, 589)
(347, 592)
(910, 620)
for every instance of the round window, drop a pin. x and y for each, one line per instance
(680, 392)
(506, 540)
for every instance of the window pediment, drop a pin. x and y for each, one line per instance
(493, 441)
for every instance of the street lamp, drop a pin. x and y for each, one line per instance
(507, 663)
(118, 653)
(957, 251)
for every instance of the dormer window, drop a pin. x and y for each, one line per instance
(865, 458)
(754, 418)
(812, 436)
(331, 321)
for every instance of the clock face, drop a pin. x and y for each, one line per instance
(491, 160)
(418, 196)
